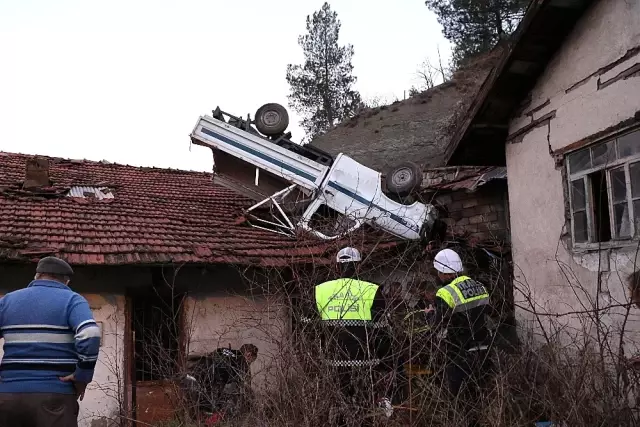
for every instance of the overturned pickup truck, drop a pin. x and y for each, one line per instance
(304, 187)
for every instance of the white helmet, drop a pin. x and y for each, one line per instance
(448, 262)
(348, 255)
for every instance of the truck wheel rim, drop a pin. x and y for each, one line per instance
(401, 176)
(271, 118)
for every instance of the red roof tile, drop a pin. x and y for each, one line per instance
(156, 216)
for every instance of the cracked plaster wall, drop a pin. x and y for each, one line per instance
(599, 49)
(232, 320)
(221, 311)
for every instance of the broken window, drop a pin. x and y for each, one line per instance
(604, 190)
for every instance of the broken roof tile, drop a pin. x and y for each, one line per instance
(468, 178)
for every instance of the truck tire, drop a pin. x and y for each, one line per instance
(403, 179)
(272, 119)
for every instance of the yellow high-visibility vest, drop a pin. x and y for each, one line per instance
(463, 294)
(345, 299)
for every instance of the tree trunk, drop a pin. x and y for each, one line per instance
(327, 89)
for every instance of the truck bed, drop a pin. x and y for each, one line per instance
(237, 155)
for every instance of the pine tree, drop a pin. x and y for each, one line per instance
(476, 26)
(321, 89)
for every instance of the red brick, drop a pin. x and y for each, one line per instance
(444, 199)
(483, 235)
(472, 228)
(495, 226)
(490, 226)
(459, 195)
(484, 209)
(463, 221)
(483, 226)
(476, 219)
(470, 212)
(449, 221)
(455, 206)
(469, 203)
(490, 217)
(456, 215)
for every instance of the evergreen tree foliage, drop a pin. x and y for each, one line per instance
(321, 89)
(476, 26)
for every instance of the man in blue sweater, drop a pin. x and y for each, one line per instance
(51, 345)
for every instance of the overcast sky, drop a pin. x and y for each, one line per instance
(126, 80)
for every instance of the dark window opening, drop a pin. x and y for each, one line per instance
(602, 221)
(580, 223)
(157, 333)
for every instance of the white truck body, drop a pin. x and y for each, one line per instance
(347, 187)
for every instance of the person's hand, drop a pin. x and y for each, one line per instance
(430, 309)
(80, 387)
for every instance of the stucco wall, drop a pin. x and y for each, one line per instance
(545, 263)
(101, 399)
(219, 320)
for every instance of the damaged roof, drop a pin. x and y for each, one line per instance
(467, 178)
(480, 138)
(110, 214)
(417, 129)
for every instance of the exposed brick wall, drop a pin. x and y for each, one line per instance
(481, 213)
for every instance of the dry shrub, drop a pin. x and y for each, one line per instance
(581, 382)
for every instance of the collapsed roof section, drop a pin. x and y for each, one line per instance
(461, 178)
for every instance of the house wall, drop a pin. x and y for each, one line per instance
(547, 268)
(229, 314)
(481, 213)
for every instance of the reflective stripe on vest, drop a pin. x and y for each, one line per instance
(371, 362)
(380, 324)
(463, 294)
(345, 299)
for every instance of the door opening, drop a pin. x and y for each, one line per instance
(157, 336)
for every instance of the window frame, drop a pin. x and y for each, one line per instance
(607, 168)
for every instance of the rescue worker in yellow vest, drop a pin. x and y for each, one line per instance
(356, 343)
(461, 307)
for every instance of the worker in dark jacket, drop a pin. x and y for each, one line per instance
(461, 307)
(51, 345)
(213, 372)
(233, 367)
(353, 312)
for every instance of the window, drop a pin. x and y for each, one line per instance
(604, 190)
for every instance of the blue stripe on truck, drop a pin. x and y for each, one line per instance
(258, 154)
(366, 202)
